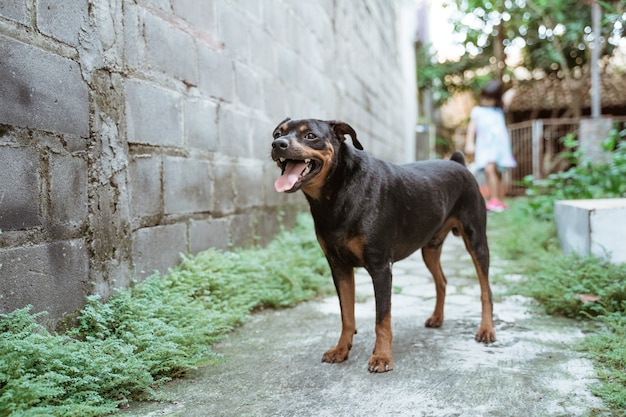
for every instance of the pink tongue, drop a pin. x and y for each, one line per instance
(289, 178)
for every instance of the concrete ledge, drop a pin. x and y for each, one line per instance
(592, 227)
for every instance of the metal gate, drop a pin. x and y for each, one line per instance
(536, 146)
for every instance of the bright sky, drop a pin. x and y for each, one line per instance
(442, 33)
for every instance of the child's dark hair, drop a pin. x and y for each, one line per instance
(493, 90)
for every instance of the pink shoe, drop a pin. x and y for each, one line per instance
(495, 205)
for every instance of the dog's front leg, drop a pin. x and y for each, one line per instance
(343, 278)
(382, 359)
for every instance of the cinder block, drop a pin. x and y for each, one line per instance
(15, 10)
(133, 37)
(248, 183)
(262, 138)
(202, 14)
(248, 87)
(233, 32)
(62, 20)
(278, 13)
(201, 124)
(262, 50)
(592, 227)
(170, 50)
(187, 185)
(216, 73)
(158, 249)
(234, 132)
(145, 186)
(205, 234)
(275, 105)
(242, 230)
(19, 188)
(268, 226)
(68, 192)
(154, 114)
(41, 90)
(159, 4)
(252, 9)
(224, 193)
(52, 277)
(287, 66)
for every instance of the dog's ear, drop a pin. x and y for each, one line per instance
(286, 120)
(341, 129)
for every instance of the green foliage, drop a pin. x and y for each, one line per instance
(127, 347)
(608, 351)
(53, 375)
(552, 36)
(562, 283)
(572, 286)
(444, 79)
(552, 32)
(584, 180)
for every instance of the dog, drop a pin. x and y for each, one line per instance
(371, 213)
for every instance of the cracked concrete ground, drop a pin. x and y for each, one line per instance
(273, 366)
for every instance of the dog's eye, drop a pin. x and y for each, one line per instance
(311, 135)
(276, 135)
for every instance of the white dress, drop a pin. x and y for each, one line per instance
(492, 139)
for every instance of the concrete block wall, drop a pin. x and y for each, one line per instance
(133, 131)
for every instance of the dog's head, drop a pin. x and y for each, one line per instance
(305, 150)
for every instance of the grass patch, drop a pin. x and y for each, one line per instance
(126, 348)
(583, 288)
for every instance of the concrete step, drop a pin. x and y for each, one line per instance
(593, 227)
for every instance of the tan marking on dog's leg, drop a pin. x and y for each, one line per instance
(382, 359)
(345, 291)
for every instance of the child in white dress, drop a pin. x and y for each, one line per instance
(488, 139)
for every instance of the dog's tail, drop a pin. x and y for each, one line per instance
(457, 156)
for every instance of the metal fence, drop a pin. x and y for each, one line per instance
(536, 146)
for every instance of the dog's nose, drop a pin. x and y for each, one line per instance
(280, 143)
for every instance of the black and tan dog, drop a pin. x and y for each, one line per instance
(370, 213)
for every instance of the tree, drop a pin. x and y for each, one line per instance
(553, 38)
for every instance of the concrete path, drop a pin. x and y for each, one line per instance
(273, 364)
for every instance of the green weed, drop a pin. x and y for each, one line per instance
(126, 348)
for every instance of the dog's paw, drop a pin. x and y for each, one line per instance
(434, 321)
(486, 335)
(336, 354)
(380, 363)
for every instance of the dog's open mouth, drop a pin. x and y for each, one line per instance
(295, 173)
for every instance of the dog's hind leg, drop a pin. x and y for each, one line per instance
(431, 254)
(476, 244)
